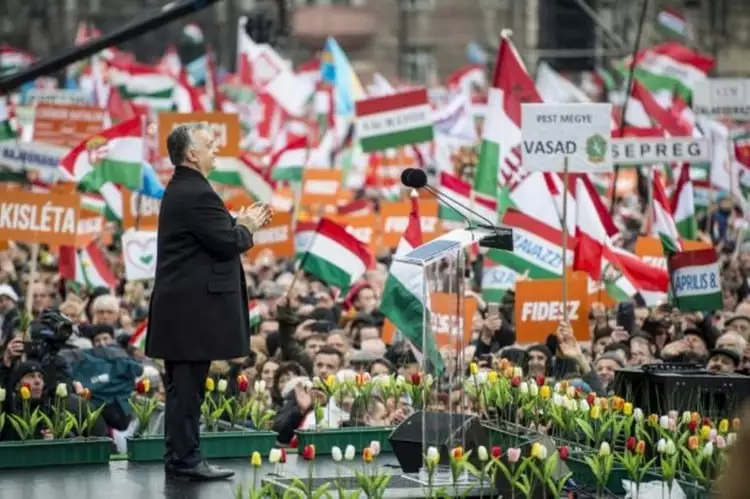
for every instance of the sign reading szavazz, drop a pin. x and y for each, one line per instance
(578, 132)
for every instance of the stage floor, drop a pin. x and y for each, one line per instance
(123, 480)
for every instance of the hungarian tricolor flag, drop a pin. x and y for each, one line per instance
(591, 238)
(87, 266)
(696, 281)
(683, 206)
(394, 120)
(336, 257)
(664, 226)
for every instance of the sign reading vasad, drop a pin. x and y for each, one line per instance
(578, 132)
(636, 151)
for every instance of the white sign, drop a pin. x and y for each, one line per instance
(580, 132)
(139, 254)
(639, 151)
(41, 159)
(56, 96)
(723, 98)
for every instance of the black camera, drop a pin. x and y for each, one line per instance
(49, 334)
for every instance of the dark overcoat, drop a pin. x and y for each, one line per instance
(199, 306)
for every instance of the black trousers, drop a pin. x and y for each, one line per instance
(185, 388)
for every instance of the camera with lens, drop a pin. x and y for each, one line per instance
(49, 334)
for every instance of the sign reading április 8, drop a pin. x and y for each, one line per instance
(226, 127)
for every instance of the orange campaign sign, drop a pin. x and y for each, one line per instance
(539, 309)
(450, 329)
(226, 128)
(276, 236)
(394, 216)
(321, 187)
(363, 227)
(650, 250)
(143, 212)
(90, 227)
(39, 217)
(66, 125)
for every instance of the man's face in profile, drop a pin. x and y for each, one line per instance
(203, 151)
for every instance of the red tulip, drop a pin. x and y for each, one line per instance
(590, 399)
(308, 453)
(282, 458)
(242, 383)
(564, 453)
(142, 386)
(540, 380)
(516, 381)
(496, 451)
(293, 442)
(707, 422)
(631, 443)
(416, 378)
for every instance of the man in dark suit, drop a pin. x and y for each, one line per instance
(198, 310)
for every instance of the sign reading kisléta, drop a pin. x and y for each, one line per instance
(637, 151)
(723, 98)
(394, 120)
(696, 282)
(580, 132)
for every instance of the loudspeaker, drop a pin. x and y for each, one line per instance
(563, 24)
(445, 430)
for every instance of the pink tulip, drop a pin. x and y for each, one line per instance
(720, 442)
(672, 423)
(514, 454)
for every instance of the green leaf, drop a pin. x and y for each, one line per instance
(585, 427)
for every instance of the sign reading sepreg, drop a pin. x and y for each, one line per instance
(552, 132)
(637, 151)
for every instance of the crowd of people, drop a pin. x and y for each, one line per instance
(308, 330)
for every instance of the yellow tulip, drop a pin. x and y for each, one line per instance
(538, 451)
(492, 376)
(255, 460)
(653, 419)
(474, 368)
(724, 426)
(210, 384)
(545, 391)
(595, 412)
(705, 432)
(330, 380)
(627, 409)
(25, 392)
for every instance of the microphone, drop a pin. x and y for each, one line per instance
(416, 178)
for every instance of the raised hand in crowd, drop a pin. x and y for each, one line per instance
(569, 348)
(13, 351)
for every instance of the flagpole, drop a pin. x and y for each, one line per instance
(34, 256)
(565, 239)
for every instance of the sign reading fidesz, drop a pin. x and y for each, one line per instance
(636, 151)
(578, 132)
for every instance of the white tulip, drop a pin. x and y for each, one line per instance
(533, 389)
(570, 404)
(605, 449)
(571, 391)
(731, 438)
(517, 371)
(349, 453)
(433, 456)
(583, 405)
(638, 414)
(221, 386)
(557, 388)
(336, 454)
(482, 454)
(686, 417)
(664, 422)
(375, 447)
(259, 386)
(62, 390)
(274, 456)
(708, 450)
(523, 388)
(661, 446)
(557, 400)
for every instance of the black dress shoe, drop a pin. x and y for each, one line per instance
(201, 472)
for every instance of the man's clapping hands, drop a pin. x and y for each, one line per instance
(255, 217)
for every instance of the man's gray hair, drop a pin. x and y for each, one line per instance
(180, 139)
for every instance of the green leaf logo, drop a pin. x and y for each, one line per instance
(596, 148)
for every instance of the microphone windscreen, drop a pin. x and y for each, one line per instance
(415, 178)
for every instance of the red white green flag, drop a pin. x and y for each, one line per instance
(696, 282)
(394, 120)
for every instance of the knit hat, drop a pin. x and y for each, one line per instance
(727, 353)
(542, 349)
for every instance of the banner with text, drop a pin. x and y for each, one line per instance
(139, 212)
(696, 280)
(539, 309)
(67, 125)
(34, 217)
(277, 237)
(225, 126)
(640, 151)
